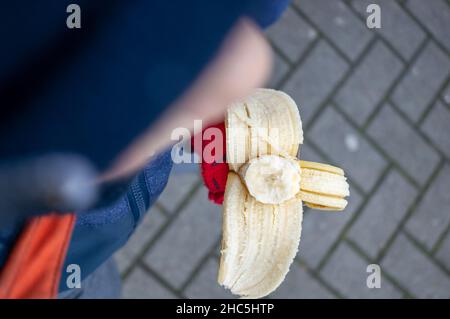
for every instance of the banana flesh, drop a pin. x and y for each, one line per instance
(271, 179)
(267, 122)
(265, 191)
(259, 241)
(323, 186)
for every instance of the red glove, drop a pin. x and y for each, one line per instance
(214, 174)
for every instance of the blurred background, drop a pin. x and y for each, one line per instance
(375, 102)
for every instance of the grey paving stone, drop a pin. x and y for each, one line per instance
(183, 168)
(436, 127)
(383, 213)
(279, 69)
(369, 83)
(123, 260)
(187, 240)
(397, 27)
(205, 286)
(446, 95)
(291, 34)
(321, 230)
(443, 254)
(315, 79)
(178, 186)
(432, 216)
(414, 270)
(422, 81)
(347, 148)
(347, 272)
(403, 144)
(299, 284)
(340, 25)
(143, 234)
(435, 15)
(140, 285)
(307, 152)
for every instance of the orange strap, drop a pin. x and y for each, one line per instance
(33, 269)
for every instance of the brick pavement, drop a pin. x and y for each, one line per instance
(375, 102)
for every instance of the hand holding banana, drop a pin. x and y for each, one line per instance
(264, 192)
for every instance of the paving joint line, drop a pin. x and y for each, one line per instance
(343, 234)
(209, 254)
(410, 212)
(378, 148)
(424, 28)
(156, 276)
(135, 260)
(376, 32)
(424, 250)
(324, 36)
(395, 83)
(391, 279)
(279, 52)
(418, 131)
(440, 241)
(303, 264)
(446, 105)
(330, 96)
(147, 246)
(298, 64)
(433, 101)
(163, 210)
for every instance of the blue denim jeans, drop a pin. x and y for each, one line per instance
(100, 232)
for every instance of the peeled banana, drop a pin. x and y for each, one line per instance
(265, 191)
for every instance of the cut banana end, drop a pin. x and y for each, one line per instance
(323, 186)
(271, 179)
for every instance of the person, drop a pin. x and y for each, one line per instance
(111, 92)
